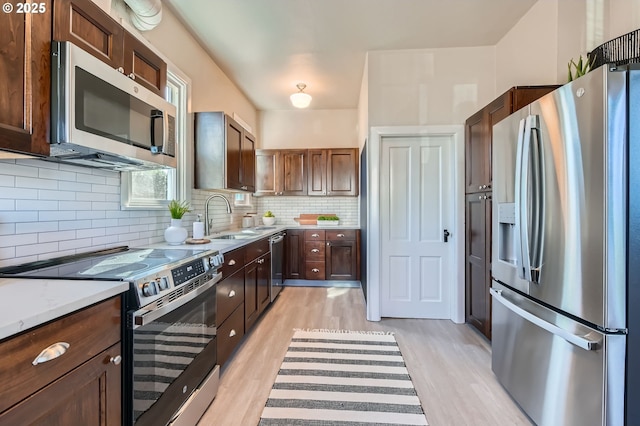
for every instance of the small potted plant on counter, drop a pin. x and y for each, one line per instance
(328, 220)
(268, 218)
(176, 234)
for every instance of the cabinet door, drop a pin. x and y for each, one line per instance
(234, 153)
(497, 111)
(88, 395)
(478, 261)
(25, 61)
(293, 172)
(83, 23)
(342, 172)
(477, 152)
(317, 178)
(267, 172)
(144, 66)
(341, 260)
(248, 162)
(294, 257)
(264, 282)
(251, 306)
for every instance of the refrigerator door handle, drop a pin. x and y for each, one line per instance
(521, 201)
(579, 341)
(537, 198)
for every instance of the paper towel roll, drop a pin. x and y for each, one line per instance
(198, 230)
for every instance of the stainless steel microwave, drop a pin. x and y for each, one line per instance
(102, 118)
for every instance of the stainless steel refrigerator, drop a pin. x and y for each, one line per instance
(566, 252)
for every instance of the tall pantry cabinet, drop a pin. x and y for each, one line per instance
(478, 181)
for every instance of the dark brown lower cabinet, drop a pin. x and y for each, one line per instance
(294, 254)
(263, 277)
(478, 261)
(88, 395)
(229, 334)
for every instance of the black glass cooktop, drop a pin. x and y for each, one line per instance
(121, 263)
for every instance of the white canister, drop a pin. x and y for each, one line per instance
(247, 221)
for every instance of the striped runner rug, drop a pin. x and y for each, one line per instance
(346, 378)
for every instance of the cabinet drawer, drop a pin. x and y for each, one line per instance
(256, 249)
(229, 295)
(233, 261)
(88, 332)
(229, 334)
(341, 235)
(314, 235)
(314, 270)
(314, 251)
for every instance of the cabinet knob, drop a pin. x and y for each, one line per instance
(232, 293)
(260, 261)
(479, 197)
(231, 262)
(120, 70)
(315, 251)
(328, 243)
(52, 352)
(315, 270)
(132, 76)
(315, 235)
(340, 235)
(479, 186)
(232, 333)
(115, 360)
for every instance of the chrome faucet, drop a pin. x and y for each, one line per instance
(207, 221)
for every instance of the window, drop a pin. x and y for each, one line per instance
(152, 189)
(242, 200)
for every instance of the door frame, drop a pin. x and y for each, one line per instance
(373, 218)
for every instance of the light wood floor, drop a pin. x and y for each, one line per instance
(450, 364)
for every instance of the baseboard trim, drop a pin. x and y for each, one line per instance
(321, 283)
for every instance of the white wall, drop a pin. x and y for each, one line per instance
(429, 86)
(363, 105)
(308, 128)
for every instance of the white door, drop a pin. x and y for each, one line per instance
(416, 206)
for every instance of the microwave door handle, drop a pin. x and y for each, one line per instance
(522, 170)
(156, 115)
(538, 198)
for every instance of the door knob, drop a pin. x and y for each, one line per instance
(447, 234)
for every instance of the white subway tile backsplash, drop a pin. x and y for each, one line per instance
(78, 243)
(58, 175)
(18, 240)
(75, 205)
(7, 253)
(59, 215)
(7, 228)
(93, 179)
(7, 204)
(36, 205)
(10, 168)
(89, 233)
(74, 224)
(90, 196)
(37, 183)
(18, 216)
(19, 193)
(105, 189)
(77, 186)
(91, 215)
(45, 237)
(32, 249)
(6, 180)
(56, 195)
(29, 227)
(39, 164)
(105, 240)
(101, 206)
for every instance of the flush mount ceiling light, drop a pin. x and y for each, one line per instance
(300, 99)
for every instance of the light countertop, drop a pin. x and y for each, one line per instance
(27, 303)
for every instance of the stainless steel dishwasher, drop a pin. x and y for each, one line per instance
(276, 243)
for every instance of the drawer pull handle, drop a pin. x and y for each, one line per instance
(116, 360)
(52, 352)
(232, 293)
(340, 235)
(232, 333)
(315, 235)
(231, 262)
(315, 270)
(315, 251)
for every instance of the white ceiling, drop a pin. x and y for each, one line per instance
(268, 46)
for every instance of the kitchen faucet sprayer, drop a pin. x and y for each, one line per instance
(207, 221)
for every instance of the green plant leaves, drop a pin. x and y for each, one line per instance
(579, 69)
(178, 208)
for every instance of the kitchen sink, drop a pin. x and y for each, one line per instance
(234, 237)
(264, 228)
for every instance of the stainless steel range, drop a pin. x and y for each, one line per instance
(169, 372)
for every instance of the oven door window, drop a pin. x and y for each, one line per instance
(171, 356)
(105, 110)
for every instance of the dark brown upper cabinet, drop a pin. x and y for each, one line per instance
(333, 172)
(281, 172)
(86, 25)
(25, 84)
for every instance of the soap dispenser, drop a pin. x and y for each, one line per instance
(198, 228)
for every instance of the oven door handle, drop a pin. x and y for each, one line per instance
(145, 316)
